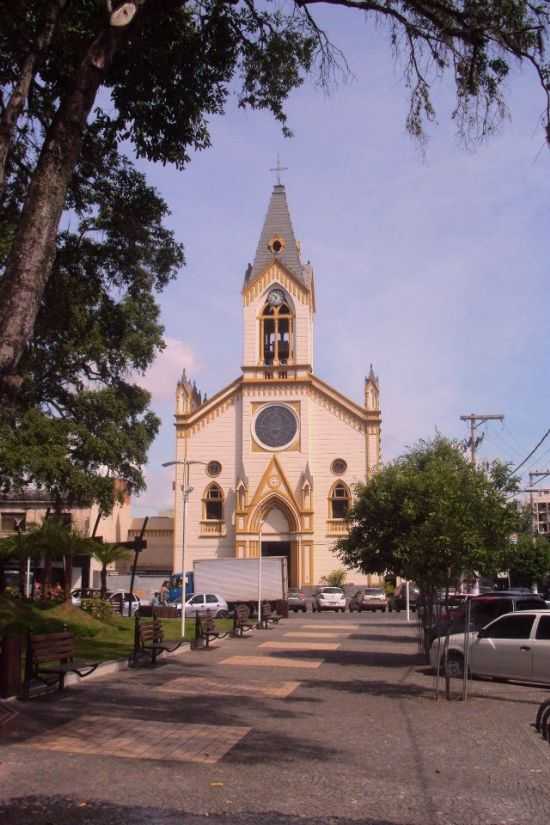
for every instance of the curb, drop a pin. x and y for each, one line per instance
(115, 666)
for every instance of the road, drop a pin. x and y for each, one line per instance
(323, 719)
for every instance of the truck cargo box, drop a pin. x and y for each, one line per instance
(237, 579)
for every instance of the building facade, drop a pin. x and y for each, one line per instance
(273, 457)
(540, 507)
(29, 508)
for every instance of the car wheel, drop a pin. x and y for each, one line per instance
(455, 665)
(221, 614)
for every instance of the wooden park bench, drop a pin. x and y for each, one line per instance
(543, 719)
(206, 630)
(268, 616)
(241, 621)
(149, 640)
(50, 656)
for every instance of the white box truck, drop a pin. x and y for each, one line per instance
(237, 580)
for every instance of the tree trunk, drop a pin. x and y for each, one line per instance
(68, 579)
(103, 581)
(20, 92)
(23, 577)
(33, 250)
(47, 583)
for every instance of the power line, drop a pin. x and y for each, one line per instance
(533, 451)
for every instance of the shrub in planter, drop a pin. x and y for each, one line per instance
(98, 608)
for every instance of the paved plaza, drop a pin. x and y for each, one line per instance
(318, 720)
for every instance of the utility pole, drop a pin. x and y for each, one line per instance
(475, 422)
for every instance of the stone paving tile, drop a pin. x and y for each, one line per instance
(334, 626)
(199, 686)
(121, 737)
(271, 661)
(311, 634)
(300, 645)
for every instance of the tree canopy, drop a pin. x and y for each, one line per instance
(528, 560)
(152, 73)
(83, 247)
(433, 517)
(79, 418)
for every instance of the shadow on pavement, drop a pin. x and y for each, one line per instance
(375, 687)
(381, 637)
(353, 657)
(46, 714)
(33, 810)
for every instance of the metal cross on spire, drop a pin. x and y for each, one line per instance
(278, 169)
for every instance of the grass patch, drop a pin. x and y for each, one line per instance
(95, 640)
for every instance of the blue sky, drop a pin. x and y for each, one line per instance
(434, 268)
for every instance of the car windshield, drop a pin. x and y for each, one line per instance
(374, 591)
(332, 590)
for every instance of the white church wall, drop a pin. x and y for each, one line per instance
(332, 437)
(215, 438)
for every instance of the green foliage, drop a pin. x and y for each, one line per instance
(108, 553)
(101, 294)
(336, 578)
(528, 560)
(98, 608)
(476, 42)
(54, 540)
(431, 516)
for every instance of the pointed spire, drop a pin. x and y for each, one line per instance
(277, 241)
(372, 391)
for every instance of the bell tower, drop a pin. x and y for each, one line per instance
(278, 300)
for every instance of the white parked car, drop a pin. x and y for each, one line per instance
(201, 602)
(125, 603)
(514, 646)
(329, 598)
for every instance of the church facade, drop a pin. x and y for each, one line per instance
(271, 460)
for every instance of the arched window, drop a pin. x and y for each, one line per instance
(213, 503)
(339, 500)
(276, 333)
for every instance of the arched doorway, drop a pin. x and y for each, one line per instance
(276, 537)
(279, 526)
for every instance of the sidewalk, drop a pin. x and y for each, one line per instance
(325, 717)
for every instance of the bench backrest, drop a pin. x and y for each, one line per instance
(242, 613)
(149, 631)
(206, 622)
(50, 647)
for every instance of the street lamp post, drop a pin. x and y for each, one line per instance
(186, 490)
(260, 575)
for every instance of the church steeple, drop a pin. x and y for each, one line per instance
(277, 241)
(278, 300)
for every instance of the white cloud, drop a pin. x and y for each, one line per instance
(162, 376)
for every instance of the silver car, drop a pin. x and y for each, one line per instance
(514, 646)
(329, 598)
(201, 602)
(124, 603)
